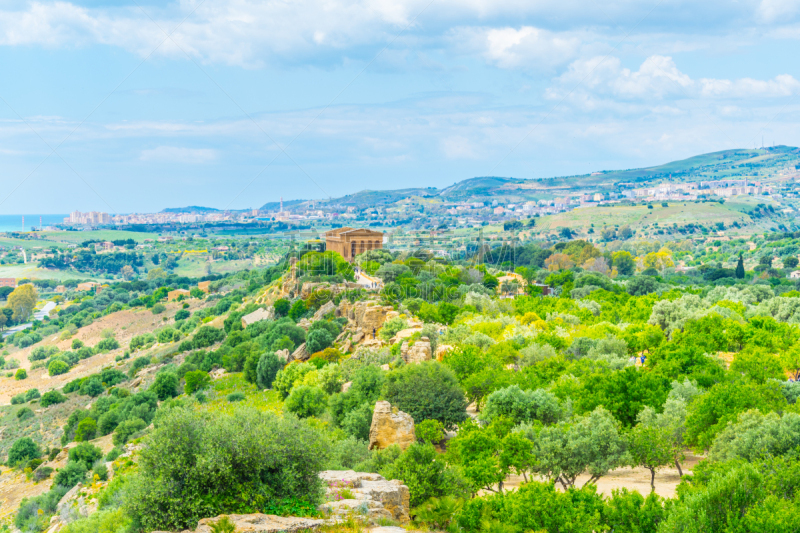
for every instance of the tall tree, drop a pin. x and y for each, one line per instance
(22, 301)
(740, 268)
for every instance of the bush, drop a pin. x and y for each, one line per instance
(106, 345)
(426, 475)
(195, 465)
(157, 309)
(25, 413)
(18, 399)
(57, 367)
(51, 398)
(318, 340)
(77, 344)
(70, 475)
(195, 381)
(40, 353)
(92, 387)
(268, 367)
(127, 428)
(165, 386)
(235, 397)
(86, 430)
(22, 374)
(85, 453)
(22, 451)
(305, 401)
(140, 341)
(32, 394)
(207, 336)
(182, 314)
(430, 431)
(427, 391)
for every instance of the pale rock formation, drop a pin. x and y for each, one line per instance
(390, 426)
(329, 307)
(367, 315)
(260, 523)
(299, 354)
(372, 493)
(283, 355)
(420, 351)
(442, 350)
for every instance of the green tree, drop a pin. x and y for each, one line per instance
(51, 398)
(195, 381)
(86, 430)
(427, 391)
(649, 446)
(85, 453)
(69, 476)
(740, 268)
(22, 374)
(297, 311)
(282, 307)
(425, 473)
(624, 263)
(23, 450)
(165, 385)
(22, 301)
(92, 387)
(57, 367)
(305, 401)
(195, 465)
(318, 340)
(268, 367)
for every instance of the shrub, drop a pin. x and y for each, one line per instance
(85, 453)
(127, 428)
(40, 353)
(92, 387)
(207, 336)
(235, 397)
(70, 475)
(86, 430)
(106, 345)
(57, 367)
(157, 309)
(427, 391)
(25, 413)
(165, 386)
(318, 340)
(52, 397)
(430, 431)
(140, 341)
(100, 471)
(195, 465)
(18, 399)
(291, 374)
(42, 473)
(305, 401)
(32, 394)
(22, 374)
(22, 451)
(195, 381)
(268, 367)
(77, 344)
(426, 475)
(182, 314)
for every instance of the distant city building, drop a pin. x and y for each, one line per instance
(204, 286)
(8, 282)
(92, 217)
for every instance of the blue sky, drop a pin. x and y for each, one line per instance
(123, 106)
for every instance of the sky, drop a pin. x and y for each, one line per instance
(136, 105)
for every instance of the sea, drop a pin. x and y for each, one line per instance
(14, 222)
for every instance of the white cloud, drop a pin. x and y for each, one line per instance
(658, 78)
(526, 47)
(176, 154)
(459, 147)
(769, 11)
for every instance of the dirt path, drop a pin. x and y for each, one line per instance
(637, 479)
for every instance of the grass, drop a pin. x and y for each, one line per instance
(222, 387)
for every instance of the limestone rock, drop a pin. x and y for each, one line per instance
(262, 523)
(373, 343)
(404, 334)
(372, 495)
(442, 350)
(390, 426)
(299, 354)
(420, 351)
(304, 323)
(346, 386)
(367, 315)
(346, 346)
(329, 307)
(358, 336)
(283, 355)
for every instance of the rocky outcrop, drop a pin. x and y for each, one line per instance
(260, 523)
(300, 354)
(390, 426)
(442, 350)
(367, 315)
(283, 355)
(326, 309)
(405, 334)
(420, 351)
(372, 495)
